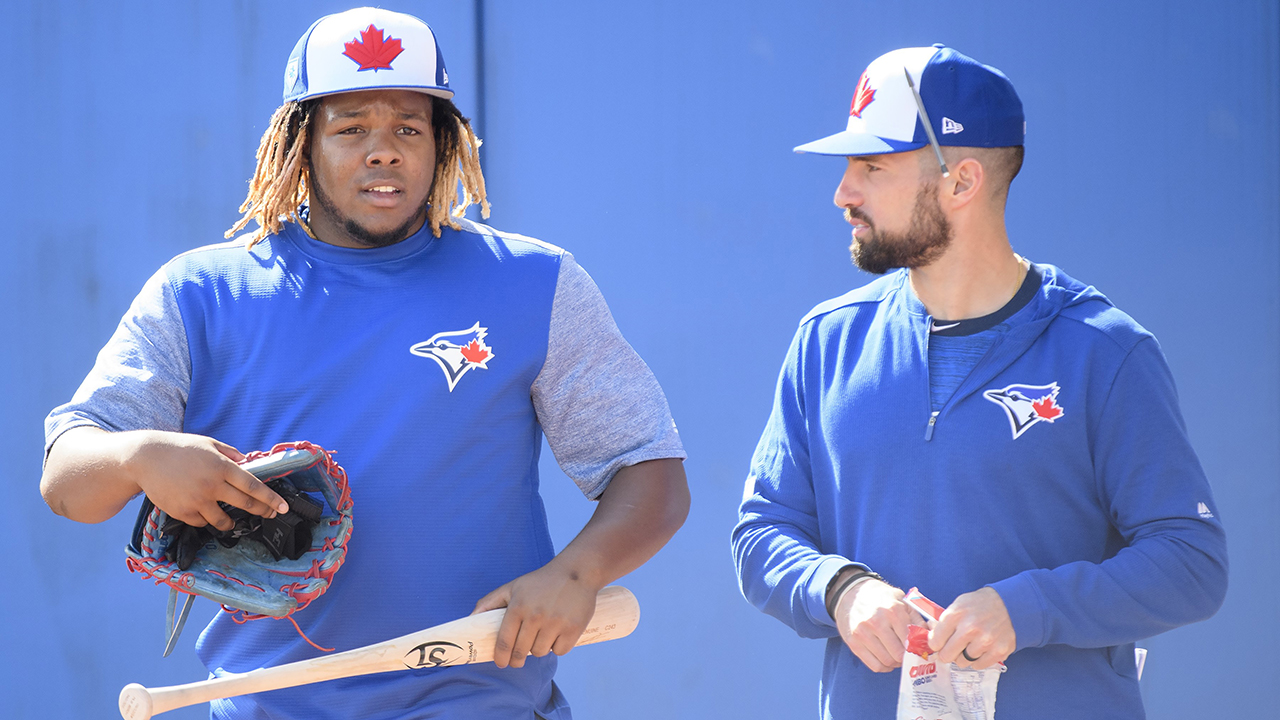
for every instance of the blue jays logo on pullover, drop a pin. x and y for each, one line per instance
(1027, 405)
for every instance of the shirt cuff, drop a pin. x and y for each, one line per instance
(57, 427)
(820, 579)
(654, 451)
(1025, 606)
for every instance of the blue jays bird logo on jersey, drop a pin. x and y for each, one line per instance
(1027, 405)
(457, 352)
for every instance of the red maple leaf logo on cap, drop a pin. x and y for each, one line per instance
(372, 51)
(1045, 409)
(862, 96)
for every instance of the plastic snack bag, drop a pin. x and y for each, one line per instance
(931, 690)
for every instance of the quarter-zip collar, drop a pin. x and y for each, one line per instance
(1057, 292)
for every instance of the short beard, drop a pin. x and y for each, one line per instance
(360, 233)
(879, 251)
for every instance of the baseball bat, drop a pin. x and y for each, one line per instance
(458, 642)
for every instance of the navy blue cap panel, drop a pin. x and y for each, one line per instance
(295, 73)
(442, 75)
(970, 104)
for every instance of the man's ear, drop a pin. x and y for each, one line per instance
(968, 178)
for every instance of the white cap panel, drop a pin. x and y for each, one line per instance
(892, 112)
(330, 70)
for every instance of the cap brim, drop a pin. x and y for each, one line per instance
(851, 143)
(437, 91)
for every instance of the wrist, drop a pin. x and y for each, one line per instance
(579, 570)
(845, 581)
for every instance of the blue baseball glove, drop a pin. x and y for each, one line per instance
(262, 567)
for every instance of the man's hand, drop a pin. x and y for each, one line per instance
(547, 610)
(91, 474)
(977, 623)
(872, 619)
(187, 475)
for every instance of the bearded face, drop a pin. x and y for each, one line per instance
(878, 250)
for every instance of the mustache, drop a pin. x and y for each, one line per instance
(851, 214)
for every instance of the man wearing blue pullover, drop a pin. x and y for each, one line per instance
(985, 428)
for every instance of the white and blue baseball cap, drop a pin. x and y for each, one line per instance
(968, 104)
(365, 49)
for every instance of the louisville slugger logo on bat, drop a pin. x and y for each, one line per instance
(617, 614)
(440, 654)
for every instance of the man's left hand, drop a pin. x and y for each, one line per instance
(977, 623)
(547, 610)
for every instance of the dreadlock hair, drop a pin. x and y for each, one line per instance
(280, 183)
(457, 160)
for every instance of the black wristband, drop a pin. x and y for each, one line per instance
(860, 572)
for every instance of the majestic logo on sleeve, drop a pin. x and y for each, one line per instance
(457, 352)
(373, 51)
(862, 96)
(1027, 405)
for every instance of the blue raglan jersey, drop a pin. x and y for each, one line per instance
(300, 340)
(1059, 473)
(432, 368)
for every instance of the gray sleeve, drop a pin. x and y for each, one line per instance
(141, 377)
(599, 404)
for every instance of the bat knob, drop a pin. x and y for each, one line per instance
(135, 702)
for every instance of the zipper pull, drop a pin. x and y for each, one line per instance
(928, 431)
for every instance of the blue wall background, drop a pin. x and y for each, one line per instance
(653, 140)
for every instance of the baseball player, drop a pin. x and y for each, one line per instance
(983, 427)
(431, 353)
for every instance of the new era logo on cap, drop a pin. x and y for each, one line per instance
(365, 49)
(884, 117)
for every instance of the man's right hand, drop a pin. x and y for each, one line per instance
(872, 618)
(188, 475)
(91, 474)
